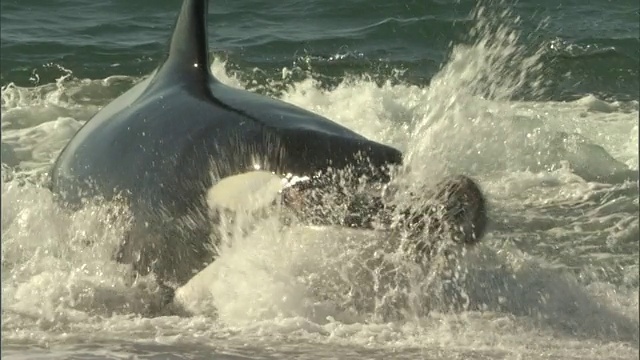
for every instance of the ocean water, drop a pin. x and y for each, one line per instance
(537, 100)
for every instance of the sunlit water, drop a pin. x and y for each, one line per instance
(556, 277)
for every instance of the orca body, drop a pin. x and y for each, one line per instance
(163, 143)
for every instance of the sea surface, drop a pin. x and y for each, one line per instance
(536, 100)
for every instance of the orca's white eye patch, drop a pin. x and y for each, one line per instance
(249, 191)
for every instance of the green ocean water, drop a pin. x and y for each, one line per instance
(588, 47)
(537, 100)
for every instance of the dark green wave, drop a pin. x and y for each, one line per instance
(330, 38)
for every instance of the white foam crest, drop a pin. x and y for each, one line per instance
(271, 283)
(270, 275)
(509, 281)
(24, 107)
(36, 147)
(58, 268)
(38, 121)
(486, 135)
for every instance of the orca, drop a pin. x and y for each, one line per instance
(162, 144)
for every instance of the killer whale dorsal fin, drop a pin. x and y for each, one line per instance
(187, 55)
